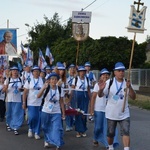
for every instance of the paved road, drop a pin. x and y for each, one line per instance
(140, 136)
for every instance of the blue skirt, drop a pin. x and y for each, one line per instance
(34, 119)
(52, 128)
(14, 115)
(82, 102)
(100, 129)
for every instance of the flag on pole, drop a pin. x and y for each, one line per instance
(49, 55)
(41, 60)
(29, 59)
(23, 54)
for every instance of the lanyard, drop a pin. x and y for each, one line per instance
(52, 95)
(15, 83)
(118, 88)
(35, 84)
(70, 80)
(82, 84)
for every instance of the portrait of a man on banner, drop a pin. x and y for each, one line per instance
(8, 42)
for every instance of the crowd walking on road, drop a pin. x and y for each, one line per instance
(62, 98)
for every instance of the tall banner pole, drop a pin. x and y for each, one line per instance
(129, 71)
(77, 53)
(136, 25)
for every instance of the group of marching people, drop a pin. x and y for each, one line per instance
(45, 95)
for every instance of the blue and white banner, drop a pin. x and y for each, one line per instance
(137, 20)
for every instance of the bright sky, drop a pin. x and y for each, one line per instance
(109, 17)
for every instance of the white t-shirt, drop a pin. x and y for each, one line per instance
(32, 99)
(81, 85)
(2, 95)
(115, 103)
(13, 94)
(51, 104)
(100, 102)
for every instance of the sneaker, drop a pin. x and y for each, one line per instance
(46, 145)
(16, 132)
(57, 148)
(91, 119)
(8, 128)
(37, 137)
(84, 134)
(95, 143)
(30, 134)
(67, 129)
(71, 128)
(78, 135)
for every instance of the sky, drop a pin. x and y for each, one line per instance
(109, 17)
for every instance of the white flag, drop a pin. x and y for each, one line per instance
(49, 54)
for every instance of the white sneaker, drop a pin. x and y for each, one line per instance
(46, 145)
(67, 129)
(37, 137)
(30, 134)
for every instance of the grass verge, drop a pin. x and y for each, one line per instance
(141, 101)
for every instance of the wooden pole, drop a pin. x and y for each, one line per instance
(7, 23)
(77, 54)
(129, 71)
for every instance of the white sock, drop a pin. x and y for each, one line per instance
(126, 148)
(111, 147)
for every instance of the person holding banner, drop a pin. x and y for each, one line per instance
(98, 105)
(6, 47)
(119, 90)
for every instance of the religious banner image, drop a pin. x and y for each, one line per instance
(80, 31)
(137, 20)
(8, 42)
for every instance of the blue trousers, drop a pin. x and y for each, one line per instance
(34, 119)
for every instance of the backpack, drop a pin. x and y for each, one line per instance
(46, 92)
(15, 81)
